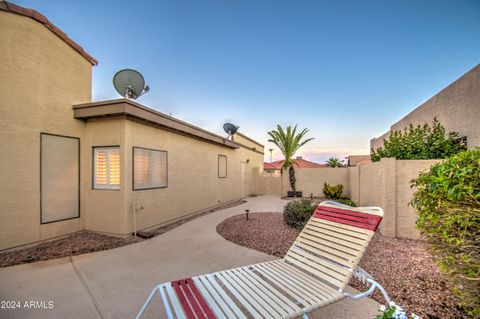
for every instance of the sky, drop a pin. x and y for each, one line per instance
(346, 70)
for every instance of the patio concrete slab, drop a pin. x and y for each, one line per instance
(46, 281)
(115, 283)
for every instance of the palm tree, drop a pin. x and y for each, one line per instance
(289, 142)
(334, 162)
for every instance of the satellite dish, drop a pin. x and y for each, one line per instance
(230, 129)
(130, 84)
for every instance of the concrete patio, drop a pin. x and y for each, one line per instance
(115, 283)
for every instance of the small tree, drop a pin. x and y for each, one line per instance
(420, 142)
(334, 162)
(289, 142)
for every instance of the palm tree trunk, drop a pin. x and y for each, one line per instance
(293, 180)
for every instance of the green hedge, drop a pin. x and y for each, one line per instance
(297, 213)
(447, 198)
(332, 192)
(420, 142)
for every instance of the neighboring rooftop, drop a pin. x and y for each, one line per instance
(356, 160)
(35, 15)
(299, 162)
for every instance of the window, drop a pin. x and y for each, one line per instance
(149, 168)
(222, 166)
(59, 178)
(106, 167)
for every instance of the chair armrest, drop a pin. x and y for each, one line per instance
(366, 278)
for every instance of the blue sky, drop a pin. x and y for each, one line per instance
(346, 70)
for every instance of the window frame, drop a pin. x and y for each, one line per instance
(79, 181)
(94, 168)
(133, 168)
(226, 166)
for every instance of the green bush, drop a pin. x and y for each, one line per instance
(332, 192)
(297, 213)
(447, 198)
(346, 201)
(421, 142)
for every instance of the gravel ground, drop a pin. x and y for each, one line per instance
(275, 239)
(86, 242)
(404, 267)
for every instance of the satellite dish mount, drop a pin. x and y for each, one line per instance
(230, 129)
(130, 84)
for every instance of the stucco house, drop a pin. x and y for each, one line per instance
(69, 164)
(356, 160)
(457, 108)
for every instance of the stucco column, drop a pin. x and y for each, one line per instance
(388, 227)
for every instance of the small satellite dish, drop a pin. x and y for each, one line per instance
(130, 84)
(230, 129)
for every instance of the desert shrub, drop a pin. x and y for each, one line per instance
(332, 192)
(447, 198)
(420, 142)
(346, 201)
(297, 213)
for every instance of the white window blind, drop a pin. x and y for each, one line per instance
(149, 168)
(222, 166)
(106, 173)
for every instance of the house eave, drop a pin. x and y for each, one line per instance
(134, 111)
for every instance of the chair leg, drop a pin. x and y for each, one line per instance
(305, 316)
(147, 302)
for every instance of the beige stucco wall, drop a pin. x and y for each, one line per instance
(43, 77)
(270, 184)
(193, 182)
(406, 215)
(106, 208)
(385, 184)
(457, 107)
(309, 181)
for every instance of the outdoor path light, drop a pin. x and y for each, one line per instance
(246, 212)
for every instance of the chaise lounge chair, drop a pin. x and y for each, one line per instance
(313, 273)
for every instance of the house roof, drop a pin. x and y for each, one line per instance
(135, 111)
(355, 160)
(35, 15)
(299, 163)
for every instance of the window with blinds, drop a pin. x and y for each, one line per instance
(222, 166)
(106, 168)
(149, 168)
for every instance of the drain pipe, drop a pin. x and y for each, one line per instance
(135, 209)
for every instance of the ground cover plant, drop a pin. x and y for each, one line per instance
(420, 142)
(447, 198)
